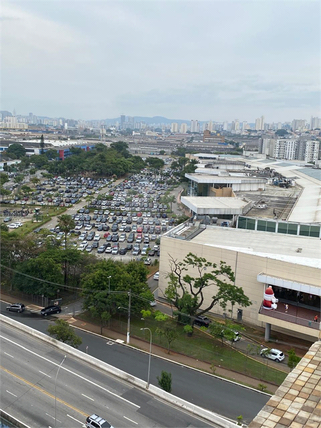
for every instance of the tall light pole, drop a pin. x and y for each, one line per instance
(109, 284)
(128, 318)
(56, 386)
(150, 353)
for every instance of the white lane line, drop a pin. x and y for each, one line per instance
(131, 420)
(71, 417)
(71, 372)
(11, 393)
(45, 374)
(86, 396)
(9, 355)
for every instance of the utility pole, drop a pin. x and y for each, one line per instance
(128, 319)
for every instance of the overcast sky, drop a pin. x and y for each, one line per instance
(205, 60)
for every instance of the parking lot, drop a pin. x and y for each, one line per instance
(124, 220)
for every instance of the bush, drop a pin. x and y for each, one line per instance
(293, 359)
(165, 381)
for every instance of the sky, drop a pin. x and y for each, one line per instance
(204, 60)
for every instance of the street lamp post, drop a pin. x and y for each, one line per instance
(109, 284)
(150, 353)
(56, 386)
(128, 317)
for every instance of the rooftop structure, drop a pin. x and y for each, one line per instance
(296, 403)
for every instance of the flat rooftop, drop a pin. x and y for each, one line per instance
(206, 204)
(265, 244)
(209, 178)
(307, 208)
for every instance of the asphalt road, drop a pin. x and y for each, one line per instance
(212, 393)
(29, 390)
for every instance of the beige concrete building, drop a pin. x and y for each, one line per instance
(290, 264)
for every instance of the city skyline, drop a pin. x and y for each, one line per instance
(211, 60)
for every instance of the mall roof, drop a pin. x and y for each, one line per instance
(308, 206)
(301, 250)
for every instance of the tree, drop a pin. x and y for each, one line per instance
(63, 332)
(281, 132)
(186, 292)
(166, 329)
(156, 163)
(39, 275)
(165, 381)
(66, 223)
(121, 278)
(293, 359)
(16, 151)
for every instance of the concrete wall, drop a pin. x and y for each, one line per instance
(245, 266)
(218, 420)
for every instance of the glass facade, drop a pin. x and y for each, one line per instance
(279, 227)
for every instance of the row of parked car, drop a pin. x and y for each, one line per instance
(48, 310)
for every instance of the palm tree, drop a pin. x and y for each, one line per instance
(66, 223)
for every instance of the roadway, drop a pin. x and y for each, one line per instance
(38, 393)
(210, 392)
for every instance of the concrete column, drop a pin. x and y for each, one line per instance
(267, 332)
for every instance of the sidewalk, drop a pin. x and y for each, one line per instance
(173, 356)
(156, 350)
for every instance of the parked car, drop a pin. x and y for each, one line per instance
(50, 310)
(156, 276)
(16, 307)
(95, 421)
(202, 321)
(272, 354)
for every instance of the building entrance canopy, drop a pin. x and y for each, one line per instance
(286, 283)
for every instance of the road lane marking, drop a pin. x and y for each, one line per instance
(45, 374)
(70, 371)
(11, 393)
(71, 417)
(131, 420)
(38, 388)
(9, 355)
(86, 396)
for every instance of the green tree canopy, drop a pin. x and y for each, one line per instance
(16, 151)
(63, 332)
(123, 277)
(186, 292)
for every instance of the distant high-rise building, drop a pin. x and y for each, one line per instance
(174, 127)
(183, 128)
(225, 126)
(195, 126)
(244, 125)
(298, 124)
(315, 123)
(122, 121)
(259, 124)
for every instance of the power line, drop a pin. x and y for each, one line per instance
(38, 279)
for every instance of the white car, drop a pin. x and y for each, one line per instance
(156, 276)
(88, 227)
(97, 237)
(272, 354)
(13, 226)
(78, 227)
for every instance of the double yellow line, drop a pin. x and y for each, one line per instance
(43, 391)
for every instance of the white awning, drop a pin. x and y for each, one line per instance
(286, 283)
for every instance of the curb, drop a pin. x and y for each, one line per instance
(172, 361)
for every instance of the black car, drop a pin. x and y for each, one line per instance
(202, 321)
(122, 251)
(16, 307)
(50, 310)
